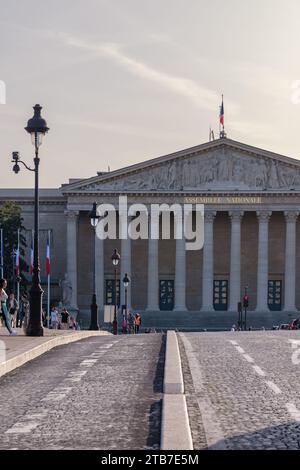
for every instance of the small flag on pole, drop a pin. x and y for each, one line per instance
(48, 267)
(31, 254)
(222, 117)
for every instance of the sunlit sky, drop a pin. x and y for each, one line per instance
(122, 81)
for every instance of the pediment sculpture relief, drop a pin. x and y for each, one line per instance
(228, 170)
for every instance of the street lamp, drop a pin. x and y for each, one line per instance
(37, 128)
(246, 304)
(94, 218)
(115, 260)
(126, 281)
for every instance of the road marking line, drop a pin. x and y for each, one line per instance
(259, 371)
(106, 346)
(240, 350)
(23, 428)
(88, 362)
(29, 423)
(57, 394)
(273, 387)
(248, 358)
(293, 410)
(76, 376)
(233, 342)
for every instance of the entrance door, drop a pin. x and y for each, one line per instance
(274, 295)
(166, 295)
(110, 292)
(220, 294)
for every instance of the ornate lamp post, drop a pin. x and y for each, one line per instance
(94, 218)
(115, 260)
(126, 281)
(246, 304)
(37, 128)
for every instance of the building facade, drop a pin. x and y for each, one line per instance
(251, 237)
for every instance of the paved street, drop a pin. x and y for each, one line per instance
(99, 393)
(243, 389)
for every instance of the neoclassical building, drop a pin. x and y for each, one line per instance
(251, 237)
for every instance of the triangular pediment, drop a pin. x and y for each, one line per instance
(223, 164)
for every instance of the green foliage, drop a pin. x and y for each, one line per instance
(10, 221)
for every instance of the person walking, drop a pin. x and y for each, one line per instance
(13, 309)
(124, 325)
(137, 322)
(54, 318)
(130, 322)
(64, 319)
(23, 310)
(3, 307)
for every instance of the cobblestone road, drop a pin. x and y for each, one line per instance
(243, 389)
(99, 393)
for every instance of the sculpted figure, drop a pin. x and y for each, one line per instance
(67, 290)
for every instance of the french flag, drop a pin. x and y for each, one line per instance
(222, 117)
(48, 266)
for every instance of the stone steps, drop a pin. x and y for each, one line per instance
(195, 321)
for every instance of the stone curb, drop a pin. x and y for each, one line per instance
(31, 354)
(175, 426)
(173, 378)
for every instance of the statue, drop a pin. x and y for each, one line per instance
(67, 291)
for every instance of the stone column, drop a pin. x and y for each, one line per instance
(99, 272)
(153, 282)
(235, 260)
(290, 261)
(72, 228)
(262, 260)
(180, 264)
(208, 262)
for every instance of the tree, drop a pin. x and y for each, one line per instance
(10, 221)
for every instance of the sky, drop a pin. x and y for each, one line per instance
(122, 81)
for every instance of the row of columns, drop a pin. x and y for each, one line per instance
(208, 263)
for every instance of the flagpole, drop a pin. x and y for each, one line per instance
(223, 118)
(1, 255)
(48, 297)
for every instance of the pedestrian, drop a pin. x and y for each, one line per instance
(23, 310)
(54, 318)
(3, 309)
(13, 309)
(137, 322)
(124, 325)
(130, 323)
(64, 319)
(72, 323)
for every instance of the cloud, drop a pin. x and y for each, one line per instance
(198, 94)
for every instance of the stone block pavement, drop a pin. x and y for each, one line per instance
(17, 350)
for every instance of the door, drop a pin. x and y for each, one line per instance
(110, 292)
(220, 294)
(166, 295)
(274, 295)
